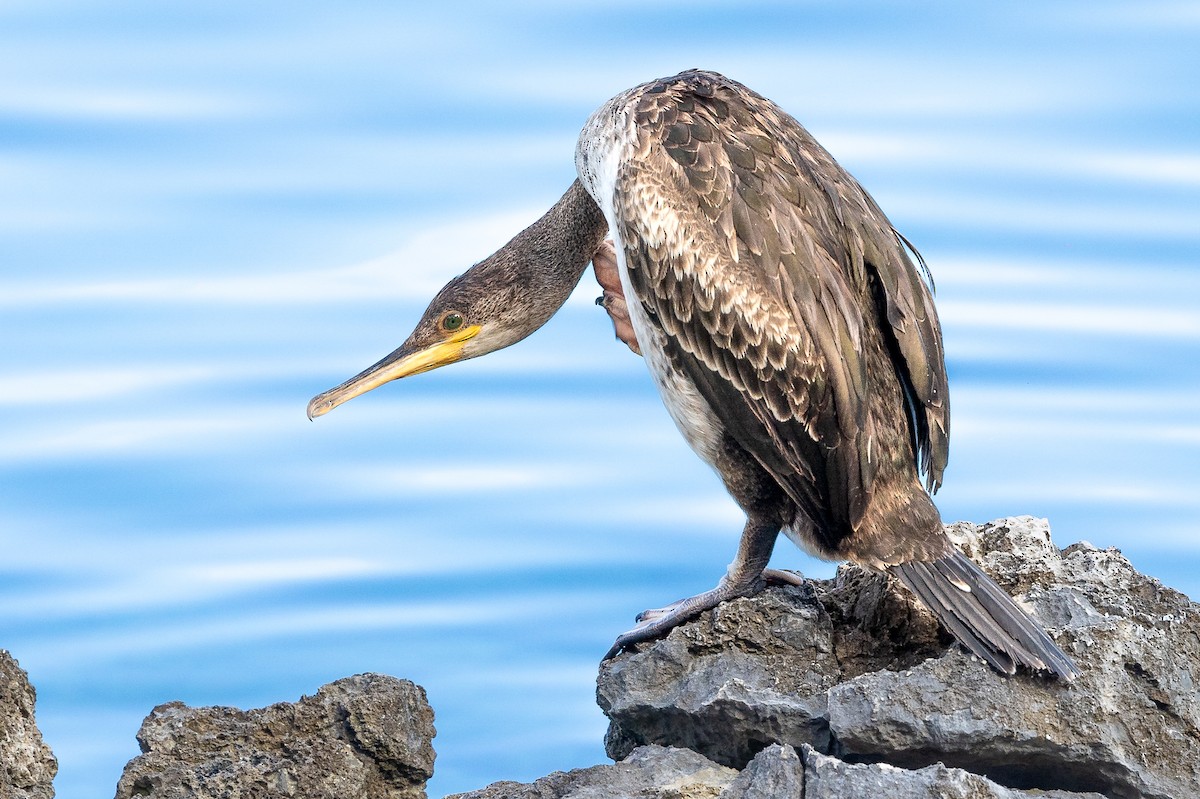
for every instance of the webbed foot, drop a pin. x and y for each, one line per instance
(604, 264)
(747, 576)
(660, 621)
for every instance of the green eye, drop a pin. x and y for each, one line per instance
(452, 321)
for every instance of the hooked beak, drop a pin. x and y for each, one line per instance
(401, 363)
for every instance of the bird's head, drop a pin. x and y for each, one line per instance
(478, 312)
(495, 303)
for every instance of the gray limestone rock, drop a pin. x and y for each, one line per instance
(650, 772)
(27, 766)
(829, 778)
(367, 737)
(855, 669)
(775, 773)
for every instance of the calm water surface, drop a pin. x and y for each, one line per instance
(209, 215)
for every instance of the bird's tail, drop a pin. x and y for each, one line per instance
(982, 616)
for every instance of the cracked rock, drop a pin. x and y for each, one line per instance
(855, 669)
(27, 766)
(777, 772)
(367, 737)
(650, 772)
(829, 778)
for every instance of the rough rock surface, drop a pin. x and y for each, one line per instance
(366, 737)
(855, 669)
(777, 772)
(27, 766)
(827, 777)
(651, 772)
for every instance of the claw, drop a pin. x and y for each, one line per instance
(657, 622)
(782, 577)
(657, 613)
(746, 576)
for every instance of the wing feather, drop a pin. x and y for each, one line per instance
(765, 281)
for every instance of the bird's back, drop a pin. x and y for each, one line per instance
(779, 288)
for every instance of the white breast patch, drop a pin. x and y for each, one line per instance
(604, 143)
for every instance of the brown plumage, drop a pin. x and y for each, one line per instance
(793, 304)
(793, 339)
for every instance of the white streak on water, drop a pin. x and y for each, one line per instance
(1117, 319)
(1164, 16)
(1155, 496)
(984, 156)
(975, 272)
(134, 436)
(415, 271)
(1101, 219)
(89, 385)
(124, 104)
(455, 479)
(156, 639)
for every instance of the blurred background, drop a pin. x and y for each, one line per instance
(210, 212)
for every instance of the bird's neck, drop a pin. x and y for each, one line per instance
(534, 273)
(554, 251)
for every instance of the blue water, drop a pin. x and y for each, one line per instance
(209, 214)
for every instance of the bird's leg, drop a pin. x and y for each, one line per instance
(747, 575)
(604, 264)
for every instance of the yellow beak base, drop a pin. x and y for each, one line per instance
(395, 366)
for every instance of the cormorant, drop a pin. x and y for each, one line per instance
(792, 338)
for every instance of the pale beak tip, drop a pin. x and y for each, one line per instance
(318, 407)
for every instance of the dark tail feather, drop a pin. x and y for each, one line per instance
(982, 616)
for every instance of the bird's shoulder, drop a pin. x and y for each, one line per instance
(733, 215)
(763, 259)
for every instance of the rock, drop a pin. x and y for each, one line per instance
(27, 766)
(650, 772)
(829, 778)
(366, 737)
(773, 773)
(777, 772)
(839, 688)
(854, 668)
